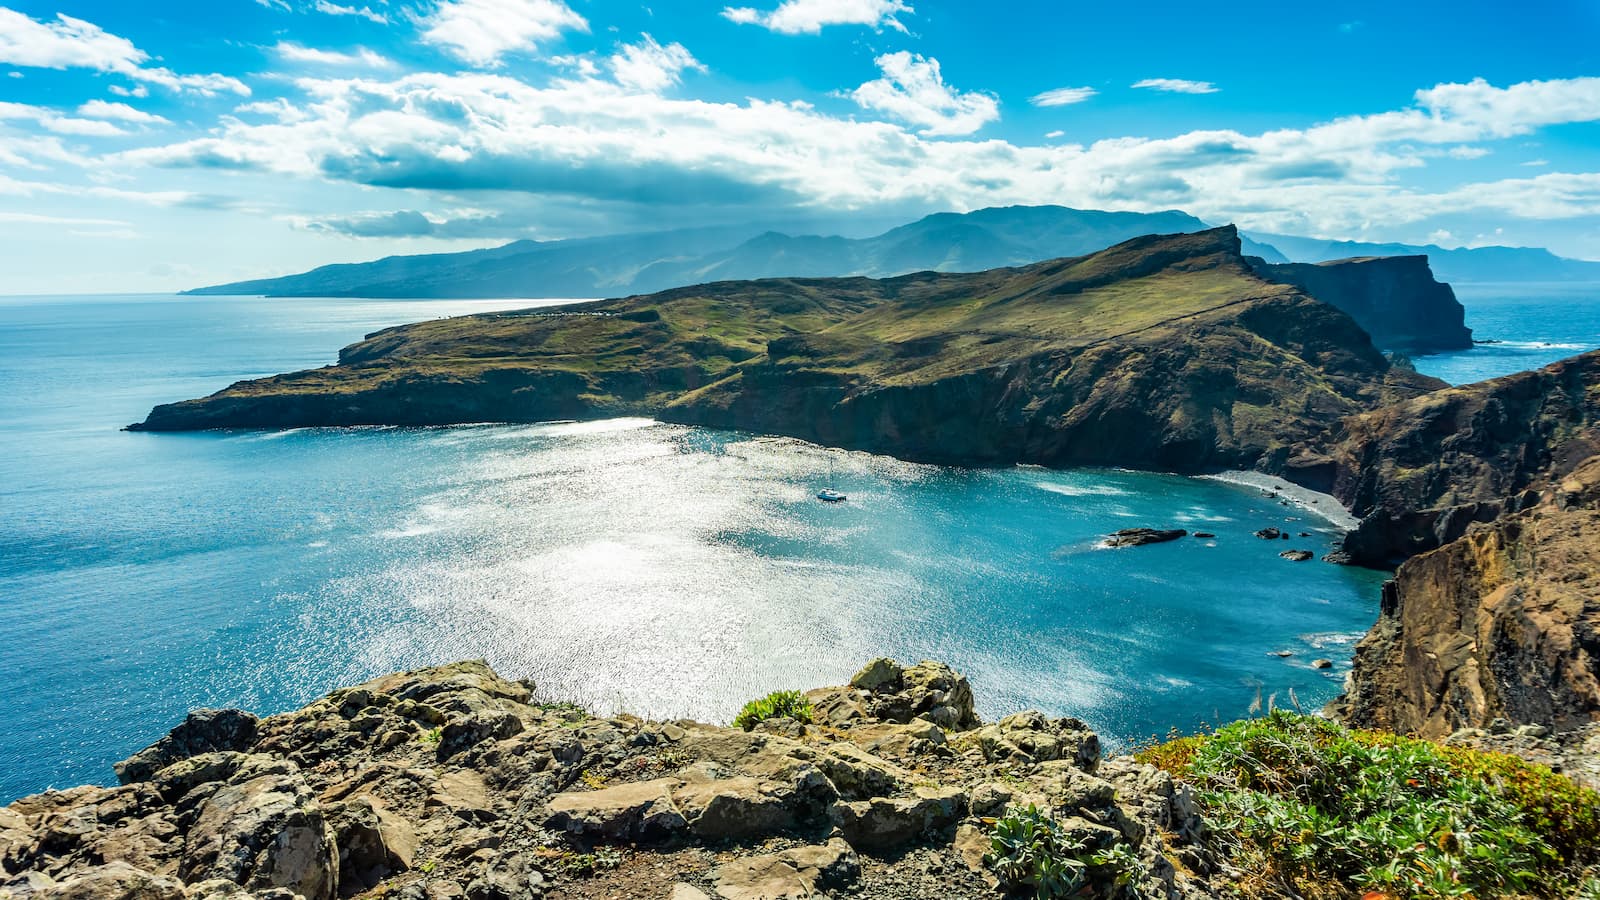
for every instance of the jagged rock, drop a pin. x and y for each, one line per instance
(468, 732)
(746, 807)
(1138, 537)
(857, 774)
(264, 832)
(882, 672)
(1297, 555)
(1033, 736)
(202, 731)
(641, 811)
(886, 822)
(1322, 664)
(797, 873)
(1270, 534)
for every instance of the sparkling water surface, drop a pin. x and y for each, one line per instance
(1530, 325)
(623, 564)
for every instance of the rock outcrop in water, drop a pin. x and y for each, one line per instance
(1164, 352)
(452, 784)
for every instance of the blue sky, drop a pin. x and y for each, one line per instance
(155, 146)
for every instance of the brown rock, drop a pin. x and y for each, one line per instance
(643, 810)
(797, 873)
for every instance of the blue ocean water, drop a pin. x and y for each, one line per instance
(1533, 325)
(624, 564)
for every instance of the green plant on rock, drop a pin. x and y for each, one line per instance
(1305, 803)
(1030, 850)
(776, 705)
(432, 736)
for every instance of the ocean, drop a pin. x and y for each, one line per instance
(624, 565)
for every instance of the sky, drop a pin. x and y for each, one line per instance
(150, 146)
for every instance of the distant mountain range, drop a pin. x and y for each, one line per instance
(947, 242)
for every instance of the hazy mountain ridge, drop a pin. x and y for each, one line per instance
(644, 263)
(618, 265)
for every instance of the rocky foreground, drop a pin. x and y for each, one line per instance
(452, 783)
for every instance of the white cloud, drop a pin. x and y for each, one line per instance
(69, 43)
(585, 144)
(365, 12)
(279, 5)
(1052, 135)
(913, 90)
(651, 67)
(1063, 96)
(1468, 152)
(52, 121)
(481, 31)
(137, 90)
(292, 52)
(811, 16)
(1535, 163)
(100, 109)
(1177, 86)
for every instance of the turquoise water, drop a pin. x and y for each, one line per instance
(624, 564)
(1534, 325)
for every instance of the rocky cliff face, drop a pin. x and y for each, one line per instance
(452, 784)
(1422, 471)
(1502, 623)
(1395, 298)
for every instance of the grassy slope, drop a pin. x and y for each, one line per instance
(1168, 344)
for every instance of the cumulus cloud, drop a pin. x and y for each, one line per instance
(100, 109)
(651, 67)
(592, 143)
(811, 16)
(913, 90)
(481, 31)
(292, 52)
(1063, 96)
(365, 12)
(68, 43)
(1177, 86)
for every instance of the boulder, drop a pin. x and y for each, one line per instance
(1297, 555)
(463, 793)
(116, 880)
(1270, 534)
(263, 832)
(1032, 736)
(936, 692)
(745, 808)
(795, 873)
(642, 811)
(887, 822)
(202, 731)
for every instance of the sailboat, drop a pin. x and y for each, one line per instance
(829, 495)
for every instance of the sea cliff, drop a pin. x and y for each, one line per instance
(1165, 352)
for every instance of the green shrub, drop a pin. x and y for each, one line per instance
(776, 705)
(1305, 802)
(1029, 850)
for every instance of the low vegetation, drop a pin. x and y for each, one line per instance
(1032, 852)
(1307, 805)
(776, 705)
